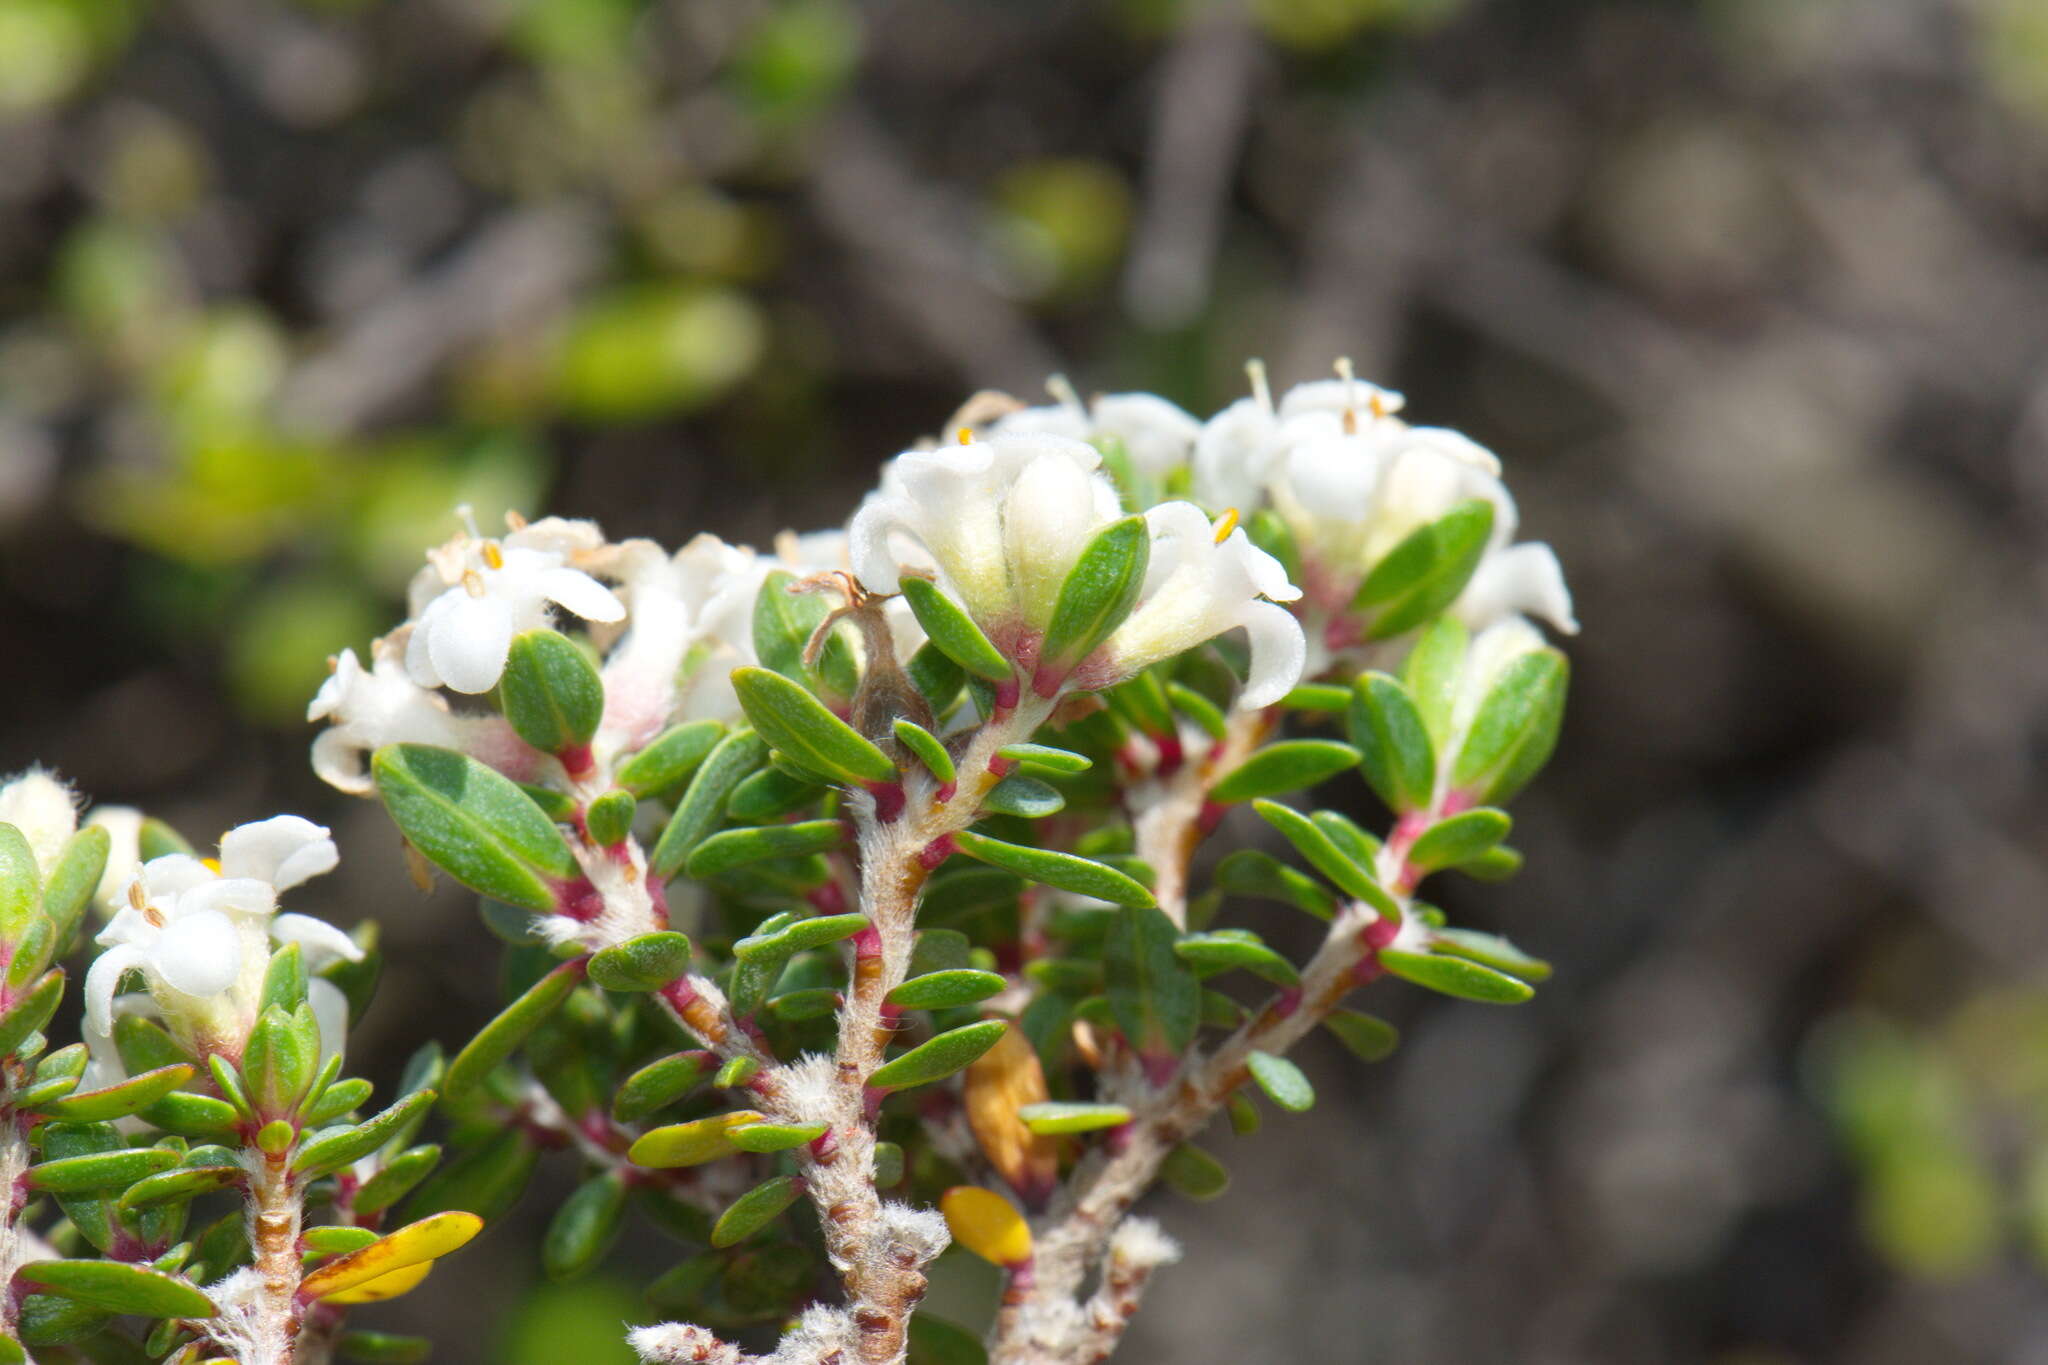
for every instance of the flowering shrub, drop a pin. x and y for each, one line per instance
(847, 888)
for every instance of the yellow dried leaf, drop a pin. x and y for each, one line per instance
(987, 1224)
(386, 1286)
(997, 1084)
(410, 1245)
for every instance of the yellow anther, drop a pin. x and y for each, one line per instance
(965, 436)
(493, 556)
(473, 582)
(136, 896)
(514, 521)
(1225, 524)
(1350, 422)
(1378, 404)
(211, 865)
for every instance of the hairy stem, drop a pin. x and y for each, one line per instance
(274, 1216)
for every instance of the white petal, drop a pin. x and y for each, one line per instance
(1267, 574)
(330, 1008)
(1523, 578)
(419, 659)
(322, 941)
(1047, 519)
(341, 760)
(1338, 395)
(174, 874)
(1158, 434)
(102, 979)
(468, 639)
(123, 825)
(333, 694)
(232, 896)
(1278, 652)
(874, 560)
(199, 954)
(581, 595)
(283, 850)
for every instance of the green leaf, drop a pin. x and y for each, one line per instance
(690, 1144)
(769, 795)
(100, 1170)
(1455, 976)
(1497, 864)
(1226, 949)
(1317, 697)
(1394, 747)
(1370, 1039)
(645, 962)
(397, 1179)
(943, 990)
(1045, 758)
(384, 1348)
(585, 1227)
(928, 750)
(1460, 839)
(737, 756)
(74, 878)
(659, 1084)
(1352, 878)
(1290, 765)
(936, 677)
(763, 1138)
(1431, 672)
(284, 981)
(798, 724)
(1061, 870)
(732, 848)
(29, 1014)
(551, 692)
(118, 1287)
(195, 1116)
(938, 1058)
(1515, 730)
(1249, 872)
(121, 1099)
(182, 1184)
(609, 818)
(1049, 1117)
(783, 625)
(1489, 950)
(953, 632)
(1154, 998)
(499, 1037)
(21, 884)
(1425, 572)
(474, 824)
(1282, 1081)
(1192, 1172)
(1098, 593)
(1025, 797)
(335, 1149)
(1198, 708)
(280, 1059)
(670, 758)
(967, 889)
(1353, 842)
(756, 1209)
(486, 1180)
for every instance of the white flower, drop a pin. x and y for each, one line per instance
(1157, 435)
(45, 812)
(1239, 449)
(1201, 581)
(200, 932)
(123, 825)
(476, 594)
(365, 709)
(1523, 579)
(1000, 520)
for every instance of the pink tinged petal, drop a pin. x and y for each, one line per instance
(1520, 579)
(283, 850)
(1278, 653)
(330, 1008)
(102, 980)
(199, 954)
(579, 594)
(468, 639)
(322, 941)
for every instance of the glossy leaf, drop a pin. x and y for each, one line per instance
(737, 756)
(474, 824)
(496, 1041)
(1068, 1116)
(1192, 1172)
(1396, 755)
(1248, 872)
(670, 758)
(928, 750)
(986, 1224)
(733, 848)
(945, 989)
(1282, 1081)
(1081, 876)
(953, 632)
(1369, 1038)
(939, 1057)
(331, 1151)
(1152, 995)
(1046, 759)
(690, 1144)
(1099, 591)
(585, 1227)
(123, 1098)
(1314, 844)
(1025, 797)
(1491, 951)
(763, 1138)
(1456, 976)
(118, 1287)
(659, 1084)
(756, 1209)
(798, 724)
(1290, 765)
(415, 1244)
(1459, 839)
(645, 962)
(1515, 730)
(1426, 571)
(1225, 950)
(551, 691)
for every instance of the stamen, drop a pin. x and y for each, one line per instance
(468, 515)
(965, 436)
(473, 582)
(514, 521)
(136, 896)
(153, 915)
(1059, 387)
(1225, 524)
(1350, 395)
(1378, 405)
(493, 556)
(211, 865)
(1255, 370)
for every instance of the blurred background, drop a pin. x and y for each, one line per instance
(1750, 295)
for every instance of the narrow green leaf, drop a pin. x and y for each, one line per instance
(1025, 797)
(333, 1150)
(74, 878)
(938, 1058)
(486, 1180)
(756, 1209)
(1193, 1173)
(937, 1342)
(474, 824)
(1512, 736)
(609, 818)
(1455, 976)
(100, 1170)
(1425, 572)
(397, 1179)
(29, 1014)
(1353, 879)
(690, 1144)
(21, 884)
(585, 1227)
(1490, 950)
(384, 1348)
(118, 1287)
(1317, 697)
(1049, 1117)
(771, 794)
(120, 1100)
(1045, 758)
(1154, 998)
(670, 758)
(946, 989)
(798, 724)
(551, 691)
(1099, 592)
(193, 1116)
(1394, 747)
(1431, 672)
(953, 632)
(646, 962)
(1199, 709)
(1225, 950)
(1062, 870)
(1248, 872)
(659, 1084)
(181, 1184)
(1290, 765)
(1369, 1038)
(1282, 1081)
(1460, 839)
(337, 1098)
(737, 756)
(499, 1037)
(763, 1138)
(928, 750)
(732, 848)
